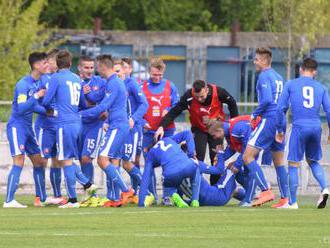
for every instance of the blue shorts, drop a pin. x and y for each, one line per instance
(90, 139)
(67, 138)
(305, 140)
(22, 139)
(263, 137)
(133, 144)
(113, 142)
(173, 179)
(148, 137)
(47, 141)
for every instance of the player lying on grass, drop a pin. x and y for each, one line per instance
(176, 166)
(237, 132)
(215, 195)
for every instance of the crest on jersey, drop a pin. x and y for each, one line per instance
(46, 151)
(31, 92)
(95, 88)
(21, 147)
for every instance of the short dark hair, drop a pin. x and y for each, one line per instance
(309, 64)
(53, 52)
(36, 57)
(127, 60)
(105, 59)
(264, 51)
(198, 85)
(64, 59)
(85, 58)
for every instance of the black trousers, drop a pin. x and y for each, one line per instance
(201, 140)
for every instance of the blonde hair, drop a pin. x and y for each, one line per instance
(158, 63)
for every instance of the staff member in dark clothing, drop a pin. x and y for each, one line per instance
(203, 101)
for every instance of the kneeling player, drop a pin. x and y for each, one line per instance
(176, 166)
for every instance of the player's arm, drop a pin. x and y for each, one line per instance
(176, 110)
(186, 136)
(228, 99)
(51, 91)
(211, 170)
(82, 100)
(105, 104)
(174, 95)
(282, 108)
(39, 109)
(141, 101)
(146, 178)
(24, 104)
(228, 153)
(264, 97)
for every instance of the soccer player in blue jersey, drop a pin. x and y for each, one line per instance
(65, 87)
(269, 88)
(22, 139)
(176, 166)
(137, 107)
(305, 96)
(45, 128)
(92, 128)
(110, 152)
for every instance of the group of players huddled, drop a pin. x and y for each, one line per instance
(116, 119)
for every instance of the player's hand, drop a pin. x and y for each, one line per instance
(103, 116)
(86, 89)
(131, 123)
(105, 127)
(159, 133)
(147, 126)
(279, 137)
(218, 148)
(40, 93)
(328, 141)
(165, 111)
(51, 113)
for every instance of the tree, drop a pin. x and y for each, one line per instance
(20, 34)
(296, 25)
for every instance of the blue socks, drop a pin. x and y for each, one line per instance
(293, 184)
(195, 185)
(282, 180)
(40, 184)
(55, 175)
(88, 170)
(70, 180)
(80, 176)
(318, 174)
(136, 178)
(13, 181)
(115, 176)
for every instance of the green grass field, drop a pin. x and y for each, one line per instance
(227, 226)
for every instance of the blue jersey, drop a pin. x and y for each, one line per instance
(95, 96)
(137, 102)
(269, 88)
(168, 154)
(305, 95)
(24, 103)
(65, 87)
(42, 120)
(115, 102)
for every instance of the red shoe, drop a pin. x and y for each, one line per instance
(112, 204)
(282, 203)
(127, 197)
(38, 203)
(265, 196)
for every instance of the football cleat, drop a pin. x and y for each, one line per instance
(55, 201)
(112, 204)
(243, 204)
(94, 202)
(38, 202)
(149, 200)
(126, 197)
(264, 197)
(91, 190)
(282, 203)
(135, 199)
(178, 201)
(102, 201)
(322, 202)
(70, 205)
(13, 204)
(293, 206)
(194, 204)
